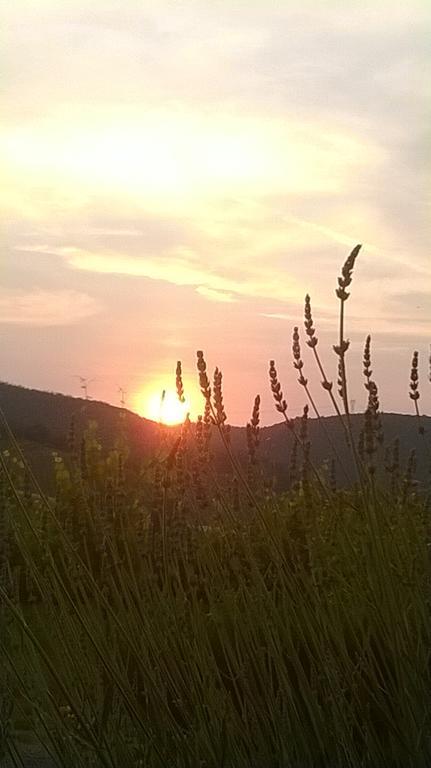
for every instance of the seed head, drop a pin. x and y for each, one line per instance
(255, 418)
(308, 322)
(340, 380)
(179, 383)
(373, 412)
(373, 397)
(367, 362)
(414, 377)
(280, 402)
(218, 397)
(297, 361)
(203, 378)
(346, 274)
(341, 349)
(253, 431)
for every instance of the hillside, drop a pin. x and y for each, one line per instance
(41, 420)
(44, 418)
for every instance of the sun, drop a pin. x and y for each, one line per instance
(164, 407)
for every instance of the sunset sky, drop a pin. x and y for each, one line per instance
(177, 175)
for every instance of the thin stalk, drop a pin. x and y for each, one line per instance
(52, 669)
(328, 386)
(300, 442)
(343, 282)
(235, 464)
(358, 463)
(327, 435)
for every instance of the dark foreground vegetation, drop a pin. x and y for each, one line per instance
(166, 614)
(41, 420)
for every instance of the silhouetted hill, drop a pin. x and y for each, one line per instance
(276, 443)
(41, 420)
(45, 417)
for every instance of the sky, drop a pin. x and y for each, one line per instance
(178, 175)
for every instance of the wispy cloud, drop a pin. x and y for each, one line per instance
(179, 266)
(210, 293)
(46, 308)
(278, 316)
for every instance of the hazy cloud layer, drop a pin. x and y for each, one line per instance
(194, 169)
(46, 308)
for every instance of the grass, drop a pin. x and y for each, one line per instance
(169, 616)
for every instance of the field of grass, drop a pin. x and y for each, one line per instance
(165, 615)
